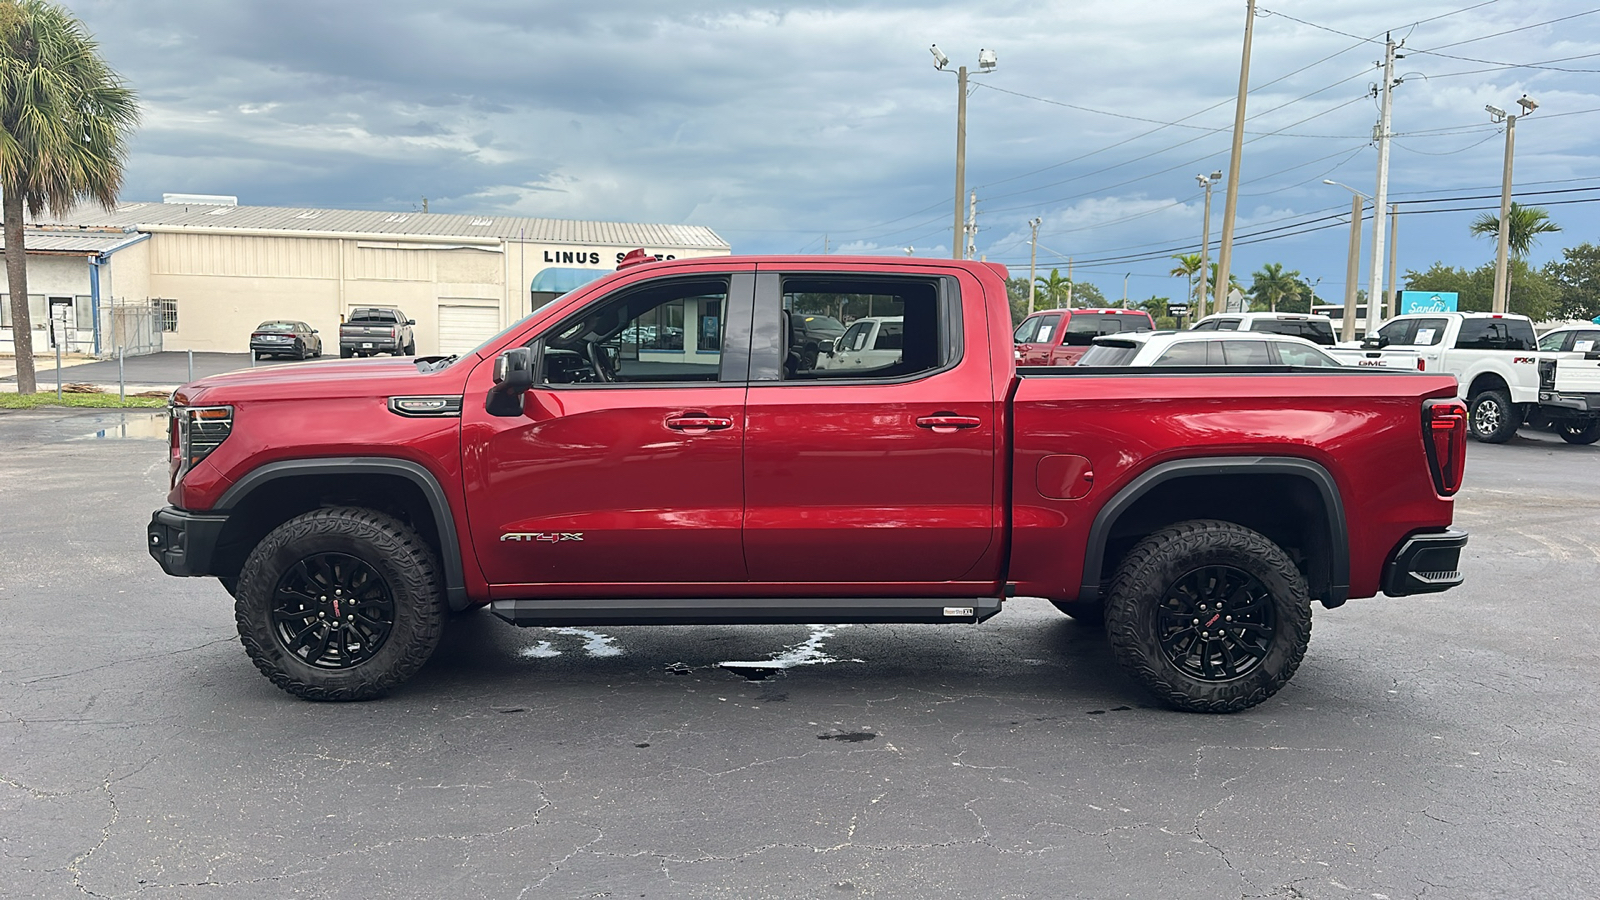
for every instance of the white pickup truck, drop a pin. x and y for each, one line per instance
(1501, 373)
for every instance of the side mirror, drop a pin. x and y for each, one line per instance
(513, 375)
(314, 331)
(826, 347)
(1374, 342)
(411, 321)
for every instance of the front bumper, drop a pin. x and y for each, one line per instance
(183, 542)
(1425, 564)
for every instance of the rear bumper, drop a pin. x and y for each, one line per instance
(273, 347)
(1425, 564)
(369, 345)
(184, 542)
(1554, 403)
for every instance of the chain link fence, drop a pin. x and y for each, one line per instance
(135, 327)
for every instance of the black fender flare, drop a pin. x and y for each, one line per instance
(455, 584)
(1320, 478)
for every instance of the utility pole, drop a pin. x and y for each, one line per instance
(1502, 287)
(957, 245)
(1069, 282)
(1352, 272)
(1231, 205)
(986, 64)
(1033, 259)
(1125, 290)
(1206, 181)
(1380, 201)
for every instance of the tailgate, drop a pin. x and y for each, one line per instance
(1382, 359)
(1577, 374)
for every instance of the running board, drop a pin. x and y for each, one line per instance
(763, 611)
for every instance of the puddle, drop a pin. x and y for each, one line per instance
(130, 426)
(808, 652)
(594, 643)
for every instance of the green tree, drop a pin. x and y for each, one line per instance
(1533, 293)
(65, 120)
(1527, 223)
(1577, 279)
(1272, 284)
(1052, 291)
(1221, 297)
(1188, 267)
(1086, 294)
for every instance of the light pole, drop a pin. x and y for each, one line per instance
(1206, 181)
(1125, 290)
(1033, 259)
(1352, 269)
(1497, 115)
(986, 63)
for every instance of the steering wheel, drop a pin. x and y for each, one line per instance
(601, 363)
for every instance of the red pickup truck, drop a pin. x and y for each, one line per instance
(657, 448)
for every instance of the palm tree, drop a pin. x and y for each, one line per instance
(1526, 224)
(65, 118)
(1272, 284)
(1188, 267)
(1057, 290)
(1220, 296)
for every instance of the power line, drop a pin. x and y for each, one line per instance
(1485, 37)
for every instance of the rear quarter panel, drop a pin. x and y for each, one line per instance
(1364, 428)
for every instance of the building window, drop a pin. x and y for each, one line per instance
(169, 313)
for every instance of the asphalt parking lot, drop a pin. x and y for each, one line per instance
(1440, 747)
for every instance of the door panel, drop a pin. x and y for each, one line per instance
(844, 484)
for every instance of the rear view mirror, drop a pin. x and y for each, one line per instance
(513, 375)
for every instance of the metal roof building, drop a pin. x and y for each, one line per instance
(215, 268)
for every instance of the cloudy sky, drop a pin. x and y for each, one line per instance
(795, 126)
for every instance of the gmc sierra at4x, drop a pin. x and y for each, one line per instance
(657, 447)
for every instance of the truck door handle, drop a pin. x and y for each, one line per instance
(698, 424)
(947, 424)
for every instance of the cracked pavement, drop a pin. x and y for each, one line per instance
(1440, 746)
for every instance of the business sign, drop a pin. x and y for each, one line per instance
(1176, 310)
(1235, 302)
(1427, 301)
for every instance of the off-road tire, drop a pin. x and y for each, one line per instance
(1156, 564)
(397, 554)
(1580, 432)
(1492, 419)
(1084, 612)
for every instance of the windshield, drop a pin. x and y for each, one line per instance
(275, 326)
(817, 326)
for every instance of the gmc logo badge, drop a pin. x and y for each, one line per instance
(548, 537)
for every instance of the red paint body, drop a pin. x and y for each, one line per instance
(815, 489)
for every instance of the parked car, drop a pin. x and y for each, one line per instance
(811, 339)
(1502, 375)
(869, 343)
(350, 507)
(281, 337)
(1189, 348)
(1057, 337)
(1571, 339)
(1316, 329)
(373, 330)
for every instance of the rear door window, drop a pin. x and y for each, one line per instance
(1301, 355)
(1495, 334)
(1048, 328)
(1246, 353)
(1188, 353)
(1109, 353)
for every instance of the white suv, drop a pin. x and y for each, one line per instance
(1191, 348)
(1316, 329)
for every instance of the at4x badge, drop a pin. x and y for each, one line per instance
(548, 537)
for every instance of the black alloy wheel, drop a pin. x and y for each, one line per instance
(332, 611)
(1216, 623)
(1210, 616)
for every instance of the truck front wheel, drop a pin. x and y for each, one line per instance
(1210, 616)
(1493, 418)
(1580, 431)
(340, 604)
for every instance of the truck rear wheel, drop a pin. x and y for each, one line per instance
(1209, 616)
(340, 604)
(1580, 431)
(1493, 418)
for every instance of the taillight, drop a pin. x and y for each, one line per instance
(1445, 422)
(1422, 364)
(1547, 374)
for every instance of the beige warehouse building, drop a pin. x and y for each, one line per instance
(215, 269)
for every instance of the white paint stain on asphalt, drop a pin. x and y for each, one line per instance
(808, 652)
(594, 643)
(541, 650)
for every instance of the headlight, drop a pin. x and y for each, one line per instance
(198, 431)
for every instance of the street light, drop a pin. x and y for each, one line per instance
(1206, 181)
(1352, 269)
(1498, 115)
(1033, 259)
(986, 63)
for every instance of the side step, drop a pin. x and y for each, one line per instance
(762, 611)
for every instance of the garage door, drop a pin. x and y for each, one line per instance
(463, 328)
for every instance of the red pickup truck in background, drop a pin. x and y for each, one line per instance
(1058, 337)
(657, 447)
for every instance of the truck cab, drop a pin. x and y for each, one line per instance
(1057, 337)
